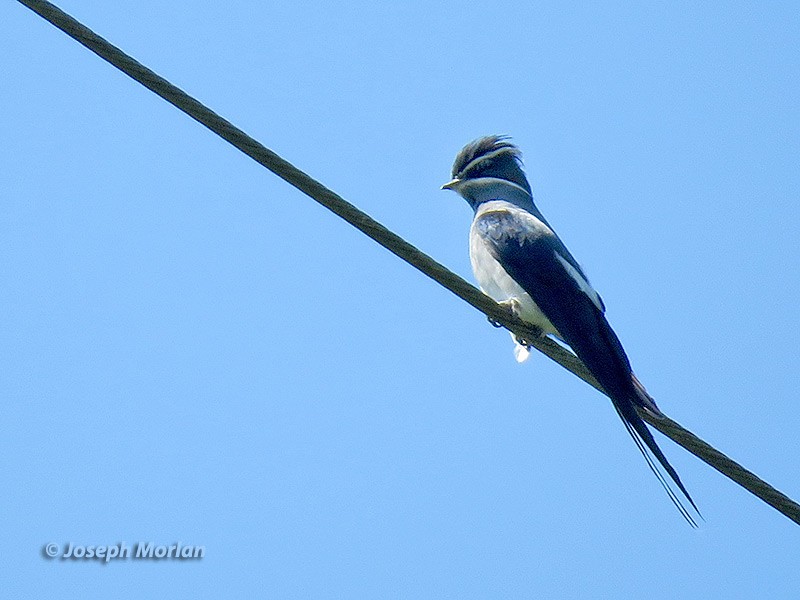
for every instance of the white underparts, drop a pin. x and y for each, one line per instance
(498, 284)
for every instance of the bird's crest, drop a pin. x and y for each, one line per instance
(491, 156)
(491, 144)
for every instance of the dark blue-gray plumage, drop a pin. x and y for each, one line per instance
(519, 261)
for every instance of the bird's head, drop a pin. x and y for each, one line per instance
(486, 162)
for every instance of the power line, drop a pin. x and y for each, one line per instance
(397, 245)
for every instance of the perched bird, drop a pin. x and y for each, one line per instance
(519, 261)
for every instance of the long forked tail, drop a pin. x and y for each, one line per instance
(645, 441)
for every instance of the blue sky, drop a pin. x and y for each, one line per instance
(194, 351)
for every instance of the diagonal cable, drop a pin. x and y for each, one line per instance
(397, 245)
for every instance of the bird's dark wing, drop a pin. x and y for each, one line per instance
(534, 257)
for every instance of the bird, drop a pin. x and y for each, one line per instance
(520, 262)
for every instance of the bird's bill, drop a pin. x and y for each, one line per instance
(451, 185)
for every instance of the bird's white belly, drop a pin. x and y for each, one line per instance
(498, 285)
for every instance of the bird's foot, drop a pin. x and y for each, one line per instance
(513, 305)
(522, 347)
(535, 334)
